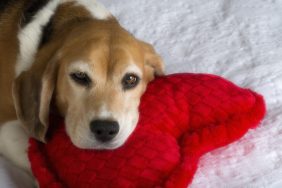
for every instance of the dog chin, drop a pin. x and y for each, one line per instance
(89, 142)
(111, 145)
(107, 146)
(96, 145)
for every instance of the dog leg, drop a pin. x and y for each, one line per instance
(14, 144)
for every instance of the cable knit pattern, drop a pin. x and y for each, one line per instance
(182, 116)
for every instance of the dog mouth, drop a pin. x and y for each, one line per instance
(90, 141)
(126, 127)
(101, 134)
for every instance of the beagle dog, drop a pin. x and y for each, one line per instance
(74, 58)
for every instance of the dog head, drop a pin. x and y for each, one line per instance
(96, 77)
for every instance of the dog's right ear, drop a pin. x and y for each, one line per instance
(32, 94)
(153, 62)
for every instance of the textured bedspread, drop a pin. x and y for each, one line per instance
(237, 39)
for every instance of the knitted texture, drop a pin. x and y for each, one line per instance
(182, 116)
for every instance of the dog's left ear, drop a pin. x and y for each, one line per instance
(153, 62)
(32, 93)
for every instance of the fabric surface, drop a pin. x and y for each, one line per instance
(182, 117)
(11, 176)
(237, 39)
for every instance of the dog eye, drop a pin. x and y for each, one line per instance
(130, 81)
(81, 78)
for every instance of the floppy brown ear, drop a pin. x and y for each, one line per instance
(32, 93)
(153, 62)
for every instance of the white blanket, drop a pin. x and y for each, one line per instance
(237, 39)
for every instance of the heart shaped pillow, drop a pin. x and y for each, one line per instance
(182, 116)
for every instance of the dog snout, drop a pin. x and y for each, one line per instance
(104, 130)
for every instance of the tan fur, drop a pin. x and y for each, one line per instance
(103, 45)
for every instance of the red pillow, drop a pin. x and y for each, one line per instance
(182, 116)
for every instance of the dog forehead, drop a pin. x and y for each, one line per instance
(104, 57)
(114, 57)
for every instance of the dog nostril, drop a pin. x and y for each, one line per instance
(104, 130)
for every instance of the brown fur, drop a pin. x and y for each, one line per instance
(8, 50)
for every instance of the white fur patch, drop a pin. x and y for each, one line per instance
(96, 9)
(104, 113)
(30, 36)
(127, 122)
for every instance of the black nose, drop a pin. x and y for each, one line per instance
(104, 130)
